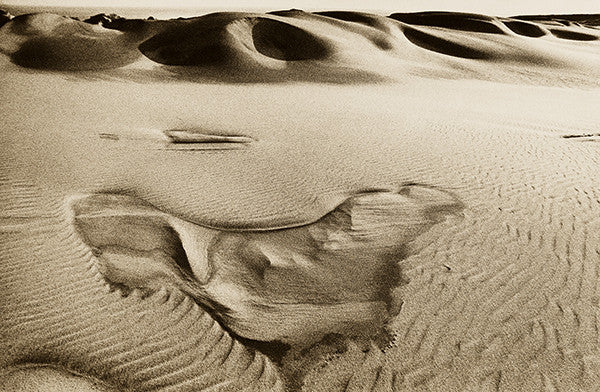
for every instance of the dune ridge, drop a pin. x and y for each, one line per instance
(54, 42)
(329, 46)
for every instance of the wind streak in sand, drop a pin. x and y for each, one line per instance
(189, 136)
(583, 135)
(292, 285)
(182, 139)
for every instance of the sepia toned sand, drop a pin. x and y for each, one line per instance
(300, 201)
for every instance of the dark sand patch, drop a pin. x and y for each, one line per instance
(524, 28)
(451, 20)
(440, 45)
(573, 35)
(283, 41)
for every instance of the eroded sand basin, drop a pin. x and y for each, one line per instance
(443, 227)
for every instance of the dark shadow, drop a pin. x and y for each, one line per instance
(62, 54)
(524, 28)
(283, 41)
(573, 35)
(443, 46)
(583, 135)
(450, 20)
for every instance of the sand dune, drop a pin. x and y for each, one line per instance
(294, 44)
(165, 229)
(336, 46)
(54, 42)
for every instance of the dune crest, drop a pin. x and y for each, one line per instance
(329, 46)
(48, 41)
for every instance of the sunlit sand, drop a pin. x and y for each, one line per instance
(300, 201)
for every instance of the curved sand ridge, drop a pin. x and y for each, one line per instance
(334, 46)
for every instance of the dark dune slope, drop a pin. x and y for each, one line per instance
(49, 41)
(524, 28)
(451, 20)
(303, 46)
(584, 19)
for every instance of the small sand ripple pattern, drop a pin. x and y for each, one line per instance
(56, 310)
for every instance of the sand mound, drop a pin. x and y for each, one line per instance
(292, 45)
(224, 39)
(295, 45)
(48, 41)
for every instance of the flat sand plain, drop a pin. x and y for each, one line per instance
(298, 201)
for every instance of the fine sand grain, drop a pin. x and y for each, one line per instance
(295, 201)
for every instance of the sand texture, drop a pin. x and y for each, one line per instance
(296, 201)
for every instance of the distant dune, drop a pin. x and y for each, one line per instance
(48, 41)
(336, 46)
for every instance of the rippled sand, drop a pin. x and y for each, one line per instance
(302, 201)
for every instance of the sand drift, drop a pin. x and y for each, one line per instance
(336, 46)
